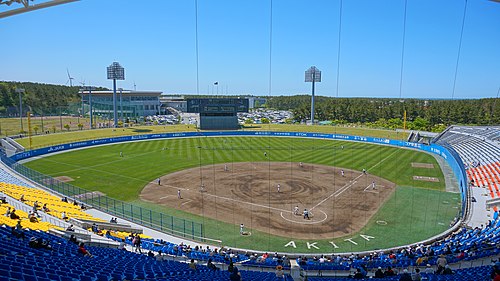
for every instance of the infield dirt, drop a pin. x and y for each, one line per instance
(247, 193)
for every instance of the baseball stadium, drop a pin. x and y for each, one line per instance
(219, 188)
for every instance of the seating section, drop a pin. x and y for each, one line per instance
(5, 176)
(25, 222)
(54, 203)
(488, 176)
(62, 263)
(479, 149)
(156, 245)
(466, 244)
(466, 274)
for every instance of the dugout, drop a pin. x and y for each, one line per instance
(217, 113)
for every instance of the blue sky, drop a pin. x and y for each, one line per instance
(155, 42)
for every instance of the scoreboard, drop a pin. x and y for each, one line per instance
(217, 113)
(217, 105)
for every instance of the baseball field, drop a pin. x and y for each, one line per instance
(227, 181)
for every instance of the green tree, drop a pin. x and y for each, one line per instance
(265, 120)
(66, 126)
(36, 128)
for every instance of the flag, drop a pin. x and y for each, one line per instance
(216, 83)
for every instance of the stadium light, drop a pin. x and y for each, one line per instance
(313, 75)
(121, 107)
(115, 72)
(20, 91)
(82, 91)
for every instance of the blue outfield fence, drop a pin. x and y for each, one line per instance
(186, 228)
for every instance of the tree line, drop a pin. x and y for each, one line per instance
(38, 98)
(421, 114)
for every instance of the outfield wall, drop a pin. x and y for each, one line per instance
(450, 156)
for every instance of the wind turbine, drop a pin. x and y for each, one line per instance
(70, 79)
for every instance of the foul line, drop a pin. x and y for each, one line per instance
(188, 200)
(369, 188)
(174, 187)
(348, 185)
(338, 192)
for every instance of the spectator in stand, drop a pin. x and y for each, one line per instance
(192, 264)
(358, 274)
(379, 273)
(230, 267)
(64, 199)
(122, 245)
(137, 243)
(151, 254)
(39, 243)
(63, 215)
(441, 263)
(70, 228)
(389, 272)
(447, 270)
(45, 208)
(32, 218)
(496, 274)
(22, 198)
(159, 256)
(279, 272)
(13, 215)
(7, 212)
(212, 266)
(73, 239)
(83, 251)
(428, 269)
(18, 231)
(417, 276)
(35, 206)
(405, 276)
(235, 276)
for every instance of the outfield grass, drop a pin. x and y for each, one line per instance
(102, 169)
(74, 136)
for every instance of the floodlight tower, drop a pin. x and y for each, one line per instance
(20, 91)
(115, 72)
(313, 75)
(89, 90)
(121, 108)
